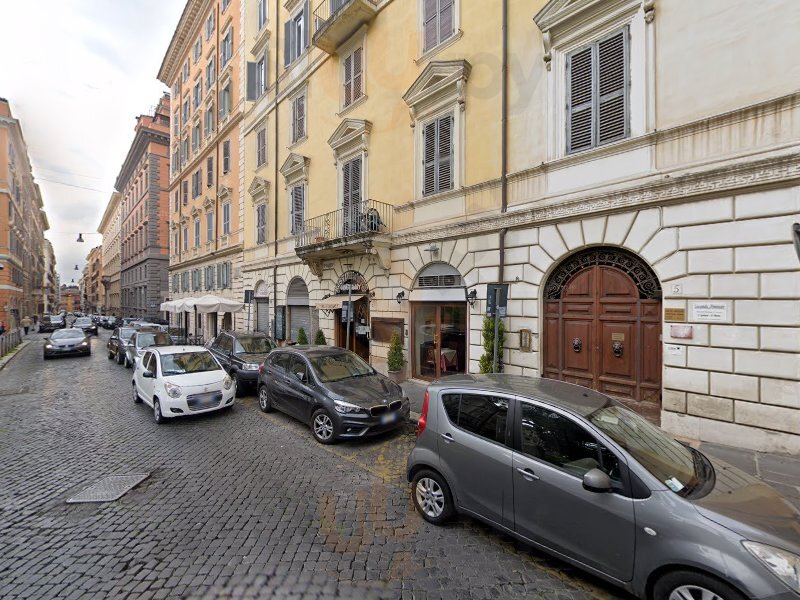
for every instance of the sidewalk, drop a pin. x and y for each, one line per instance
(780, 471)
(9, 357)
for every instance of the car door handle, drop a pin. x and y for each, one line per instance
(528, 474)
(447, 438)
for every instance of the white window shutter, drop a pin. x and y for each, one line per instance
(444, 169)
(446, 19)
(429, 159)
(430, 24)
(358, 73)
(348, 80)
(612, 88)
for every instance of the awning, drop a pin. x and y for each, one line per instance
(168, 307)
(438, 295)
(335, 302)
(206, 304)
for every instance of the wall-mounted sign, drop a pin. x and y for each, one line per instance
(492, 296)
(715, 312)
(525, 340)
(617, 337)
(280, 323)
(683, 332)
(674, 350)
(362, 329)
(248, 296)
(676, 315)
(347, 311)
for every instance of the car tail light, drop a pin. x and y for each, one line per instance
(423, 418)
(260, 369)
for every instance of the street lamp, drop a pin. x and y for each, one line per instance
(80, 238)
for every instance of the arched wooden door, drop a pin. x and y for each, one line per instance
(602, 324)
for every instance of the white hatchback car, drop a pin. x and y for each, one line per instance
(181, 380)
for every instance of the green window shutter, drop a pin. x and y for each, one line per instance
(580, 129)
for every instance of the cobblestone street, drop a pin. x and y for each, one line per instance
(238, 503)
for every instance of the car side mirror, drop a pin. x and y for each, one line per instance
(596, 481)
(148, 375)
(301, 376)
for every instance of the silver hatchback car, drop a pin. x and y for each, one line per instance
(575, 473)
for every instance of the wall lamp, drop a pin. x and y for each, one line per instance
(400, 297)
(472, 297)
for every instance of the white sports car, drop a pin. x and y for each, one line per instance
(181, 380)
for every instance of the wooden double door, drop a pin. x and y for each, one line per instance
(600, 333)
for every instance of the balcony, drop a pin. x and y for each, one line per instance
(364, 228)
(336, 20)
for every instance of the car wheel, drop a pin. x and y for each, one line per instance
(264, 401)
(690, 585)
(46, 357)
(323, 427)
(136, 398)
(128, 364)
(110, 355)
(119, 358)
(239, 386)
(432, 497)
(157, 416)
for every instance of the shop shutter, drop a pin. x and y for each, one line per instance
(300, 316)
(262, 315)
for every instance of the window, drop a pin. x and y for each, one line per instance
(176, 161)
(209, 171)
(176, 243)
(176, 283)
(186, 193)
(483, 415)
(185, 73)
(211, 73)
(438, 22)
(209, 226)
(225, 101)
(296, 208)
(226, 51)
(177, 200)
(208, 121)
(224, 275)
(261, 76)
(176, 122)
(226, 218)
(185, 281)
(185, 238)
(195, 137)
(198, 48)
(184, 150)
(197, 94)
(210, 278)
(185, 111)
(226, 156)
(438, 155)
(210, 25)
(351, 196)
(298, 118)
(261, 146)
(197, 233)
(262, 14)
(225, 4)
(295, 36)
(353, 76)
(597, 93)
(196, 277)
(261, 223)
(197, 183)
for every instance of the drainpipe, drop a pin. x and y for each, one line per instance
(504, 140)
(275, 184)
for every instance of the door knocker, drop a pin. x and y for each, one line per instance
(616, 348)
(577, 344)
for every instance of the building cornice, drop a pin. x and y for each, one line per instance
(181, 40)
(206, 258)
(144, 136)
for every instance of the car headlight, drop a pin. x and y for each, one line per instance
(783, 564)
(250, 367)
(346, 408)
(227, 382)
(49, 346)
(84, 343)
(173, 391)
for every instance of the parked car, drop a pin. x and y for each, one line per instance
(86, 324)
(332, 390)
(181, 380)
(50, 323)
(142, 339)
(65, 342)
(109, 323)
(575, 473)
(241, 354)
(118, 343)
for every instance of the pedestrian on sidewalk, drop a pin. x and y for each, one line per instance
(26, 324)
(2, 328)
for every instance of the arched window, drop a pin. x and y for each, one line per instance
(439, 275)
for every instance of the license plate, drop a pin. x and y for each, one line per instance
(388, 418)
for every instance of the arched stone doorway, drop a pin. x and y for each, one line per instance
(298, 309)
(602, 324)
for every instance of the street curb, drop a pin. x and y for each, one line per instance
(11, 356)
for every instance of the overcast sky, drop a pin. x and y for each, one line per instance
(77, 73)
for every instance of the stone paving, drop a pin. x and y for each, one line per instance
(237, 504)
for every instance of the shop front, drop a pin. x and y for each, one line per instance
(349, 305)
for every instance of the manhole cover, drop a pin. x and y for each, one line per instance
(109, 488)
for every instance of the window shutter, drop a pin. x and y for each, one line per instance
(357, 73)
(251, 81)
(297, 208)
(287, 43)
(429, 159)
(612, 74)
(210, 171)
(444, 175)
(306, 23)
(348, 80)
(580, 134)
(446, 19)
(355, 194)
(301, 117)
(430, 24)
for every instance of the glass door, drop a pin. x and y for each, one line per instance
(439, 341)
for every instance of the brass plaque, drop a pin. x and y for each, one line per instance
(677, 315)
(617, 337)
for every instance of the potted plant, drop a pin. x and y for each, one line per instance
(395, 360)
(302, 338)
(319, 339)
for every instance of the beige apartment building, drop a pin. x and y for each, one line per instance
(109, 228)
(50, 280)
(93, 293)
(630, 168)
(204, 68)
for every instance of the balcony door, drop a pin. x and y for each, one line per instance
(351, 196)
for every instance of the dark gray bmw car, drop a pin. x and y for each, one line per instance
(67, 342)
(331, 389)
(580, 476)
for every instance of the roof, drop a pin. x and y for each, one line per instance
(568, 396)
(177, 349)
(239, 334)
(314, 350)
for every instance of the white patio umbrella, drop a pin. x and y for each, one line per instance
(215, 304)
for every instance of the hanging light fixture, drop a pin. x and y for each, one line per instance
(80, 238)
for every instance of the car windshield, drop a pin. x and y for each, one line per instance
(125, 334)
(337, 367)
(188, 362)
(65, 334)
(83, 321)
(153, 339)
(667, 459)
(254, 344)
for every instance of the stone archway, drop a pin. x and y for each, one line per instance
(602, 324)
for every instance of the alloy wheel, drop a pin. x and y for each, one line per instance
(693, 592)
(430, 499)
(263, 398)
(323, 426)
(157, 411)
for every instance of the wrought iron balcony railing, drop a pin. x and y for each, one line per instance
(365, 218)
